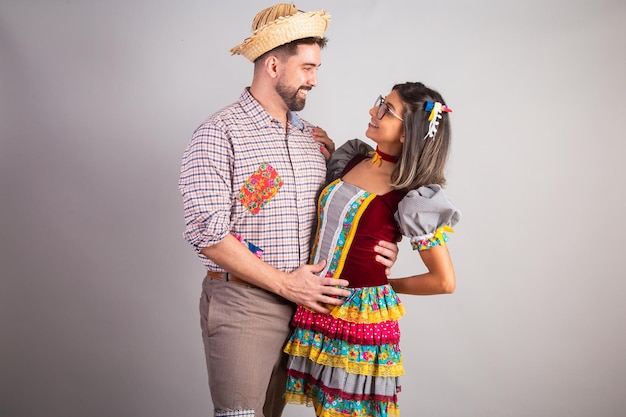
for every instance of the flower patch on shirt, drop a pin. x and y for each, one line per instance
(260, 188)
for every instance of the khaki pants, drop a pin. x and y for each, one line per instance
(244, 330)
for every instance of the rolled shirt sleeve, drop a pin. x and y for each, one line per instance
(206, 186)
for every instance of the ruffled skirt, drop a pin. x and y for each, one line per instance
(348, 363)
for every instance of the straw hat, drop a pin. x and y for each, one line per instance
(278, 25)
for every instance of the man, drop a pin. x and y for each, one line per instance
(249, 180)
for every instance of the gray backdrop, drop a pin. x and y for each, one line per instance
(99, 291)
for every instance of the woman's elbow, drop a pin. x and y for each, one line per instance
(448, 283)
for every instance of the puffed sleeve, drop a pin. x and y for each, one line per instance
(343, 155)
(425, 215)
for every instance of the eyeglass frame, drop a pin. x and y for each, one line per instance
(384, 108)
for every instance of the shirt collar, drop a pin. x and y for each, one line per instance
(260, 116)
(295, 120)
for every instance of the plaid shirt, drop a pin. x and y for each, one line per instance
(243, 173)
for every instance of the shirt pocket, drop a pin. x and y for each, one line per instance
(260, 188)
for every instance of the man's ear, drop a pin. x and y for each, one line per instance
(271, 66)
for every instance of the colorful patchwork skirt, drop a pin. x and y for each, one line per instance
(348, 363)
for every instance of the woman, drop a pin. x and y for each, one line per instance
(348, 362)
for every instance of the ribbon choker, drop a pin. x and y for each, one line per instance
(380, 156)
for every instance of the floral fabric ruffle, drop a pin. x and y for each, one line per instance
(440, 237)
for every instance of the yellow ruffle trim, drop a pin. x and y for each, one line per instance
(299, 399)
(353, 367)
(359, 315)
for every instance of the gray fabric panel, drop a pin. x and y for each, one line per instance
(338, 378)
(338, 204)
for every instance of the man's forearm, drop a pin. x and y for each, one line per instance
(236, 259)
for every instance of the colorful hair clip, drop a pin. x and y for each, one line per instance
(435, 109)
(430, 105)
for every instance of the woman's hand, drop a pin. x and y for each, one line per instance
(387, 254)
(327, 146)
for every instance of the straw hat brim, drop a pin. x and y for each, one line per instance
(283, 30)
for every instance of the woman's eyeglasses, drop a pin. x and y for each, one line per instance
(383, 109)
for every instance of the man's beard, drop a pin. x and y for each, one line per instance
(290, 96)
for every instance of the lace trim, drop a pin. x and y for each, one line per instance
(438, 238)
(357, 315)
(385, 365)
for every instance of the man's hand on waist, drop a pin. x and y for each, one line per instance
(304, 287)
